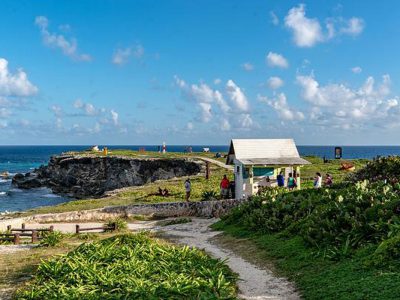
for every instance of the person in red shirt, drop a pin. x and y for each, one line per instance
(224, 187)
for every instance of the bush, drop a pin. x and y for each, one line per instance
(131, 266)
(209, 196)
(51, 239)
(120, 224)
(335, 221)
(176, 221)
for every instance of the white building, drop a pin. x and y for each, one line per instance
(259, 161)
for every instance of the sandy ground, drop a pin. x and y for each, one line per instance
(255, 282)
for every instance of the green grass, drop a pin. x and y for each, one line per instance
(132, 266)
(319, 278)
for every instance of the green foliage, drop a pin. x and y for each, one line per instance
(131, 267)
(51, 239)
(119, 223)
(387, 251)
(334, 221)
(209, 195)
(383, 168)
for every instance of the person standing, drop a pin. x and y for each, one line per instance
(328, 180)
(188, 189)
(291, 182)
(280, 179)
(317, 180)
(224, 185)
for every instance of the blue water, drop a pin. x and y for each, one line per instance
(22, 159)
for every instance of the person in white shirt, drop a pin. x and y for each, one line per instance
(318, 180)
(188, 188)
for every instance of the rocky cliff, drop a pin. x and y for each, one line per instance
(85, 176)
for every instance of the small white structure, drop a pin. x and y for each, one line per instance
(259, 161)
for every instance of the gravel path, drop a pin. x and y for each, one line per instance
(254, 283)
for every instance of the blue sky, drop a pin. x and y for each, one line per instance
(199, 72)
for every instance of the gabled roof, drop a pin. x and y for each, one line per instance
(265, 152)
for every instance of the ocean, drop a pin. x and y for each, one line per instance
(22, 159)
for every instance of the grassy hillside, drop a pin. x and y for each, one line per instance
(337, 243)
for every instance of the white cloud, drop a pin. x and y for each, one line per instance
(339, 103)
(353, 27)
(306, 32)
(69, 47)
(237, 96)
(16, 84)
(245, 121)
(57, 110)
(206, 113)
(189, 126)
(275, 83)
(280, 105)
(356, 70)
(274, 18)
(114, 117)
(121, 56)
(4, 112)
(276, 60)
(247, 67)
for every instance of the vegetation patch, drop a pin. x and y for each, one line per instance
(175, 221)
(131, 267)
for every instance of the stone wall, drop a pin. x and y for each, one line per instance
(205, 209)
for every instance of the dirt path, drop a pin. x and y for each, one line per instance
(216, 162)
(254, 282)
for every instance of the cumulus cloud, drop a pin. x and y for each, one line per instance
(237, 96)
(280, 105)
(356, 70)
(16, 84)
(275, 83)
(354, 26)
(339, 103)
(307, 32)
(189, 126)
(217, 81)
(122, 56)
(69, 47)
(212, 107)
(276, 60)
(88, 108)
(247, 67)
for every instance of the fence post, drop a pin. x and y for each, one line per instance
(23, 225)
(114, 226)
(34, 236)
(8, 227)
(51, 228)
(16, 239)
(77, 228)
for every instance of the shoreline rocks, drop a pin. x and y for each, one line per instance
(92, 176)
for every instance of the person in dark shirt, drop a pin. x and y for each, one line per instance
(280, 179)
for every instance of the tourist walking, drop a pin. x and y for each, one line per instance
(291, 182)
(280, 179)
(328, 180)
(317, 180)
(188, 189)
(224, 185)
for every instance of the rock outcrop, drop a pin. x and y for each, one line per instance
(91, 176)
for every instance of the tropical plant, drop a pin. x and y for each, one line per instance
(131, 266)
(209, 195)
(51, 239)
(118, 224)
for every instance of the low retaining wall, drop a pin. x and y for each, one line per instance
(204, 209)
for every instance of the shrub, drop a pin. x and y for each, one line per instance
(131, 266)
(176, 221)
(209, 196)
(120, 224)
(51, 239)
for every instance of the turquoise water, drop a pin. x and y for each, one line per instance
(22, 159)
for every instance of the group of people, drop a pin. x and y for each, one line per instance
(292, 181)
